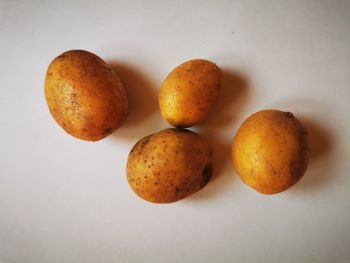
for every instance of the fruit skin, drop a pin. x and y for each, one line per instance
(84, 95)
(270, 151)
(169, 165)
(189, 92)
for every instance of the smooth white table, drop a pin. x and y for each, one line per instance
(65, 200)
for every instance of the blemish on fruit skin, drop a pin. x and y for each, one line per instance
(144, 142)
(161, 176)
(108, 130)
(289, 114)
(206, 174)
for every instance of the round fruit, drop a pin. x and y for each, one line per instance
(270, 151)
(169, 165)
(84, 95)
(189, 92)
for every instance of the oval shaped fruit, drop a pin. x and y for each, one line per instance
(169, 165)
(84, 95)
(189, 92)
(270, 151)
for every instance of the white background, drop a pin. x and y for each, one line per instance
(66, 200)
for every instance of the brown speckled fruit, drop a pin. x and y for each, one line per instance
(189, 92)
(270, 151)
(169, 165)
(84, 95)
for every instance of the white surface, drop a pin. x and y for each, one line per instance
(65, 200)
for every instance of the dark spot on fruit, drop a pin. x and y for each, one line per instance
(74, 100)
(289, 114)
(143, 142)
(108, 130)
(132, 150)
(206, 174)
(297, 169)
